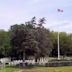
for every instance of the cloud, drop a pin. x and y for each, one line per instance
(59, 25)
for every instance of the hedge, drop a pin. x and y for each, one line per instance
(58, 64)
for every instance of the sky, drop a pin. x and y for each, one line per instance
(19, 11)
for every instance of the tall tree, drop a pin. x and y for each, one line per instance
(5, 47)
(30, 39)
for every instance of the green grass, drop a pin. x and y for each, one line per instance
(9, 69)
(39, 69)
(49, 69)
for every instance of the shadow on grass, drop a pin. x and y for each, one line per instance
(30, 66)
(22, 67)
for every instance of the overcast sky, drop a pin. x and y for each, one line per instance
(19, 11)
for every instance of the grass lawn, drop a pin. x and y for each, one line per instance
(39, 69)
(49, 69)
(9, 69)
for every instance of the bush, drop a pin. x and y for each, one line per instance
(58, 64)
(61, 60)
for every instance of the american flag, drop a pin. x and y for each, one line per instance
(59, 10)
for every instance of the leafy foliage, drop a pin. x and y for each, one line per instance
(31, 40)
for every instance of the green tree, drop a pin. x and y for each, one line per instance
(30, 39)
(22, 39)
(4, 43)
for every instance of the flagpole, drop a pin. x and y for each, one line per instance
(59, 10)
(58, 47)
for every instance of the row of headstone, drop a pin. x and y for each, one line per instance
(39, 61)
(15, 62)
(30, 61)
(42, 60)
